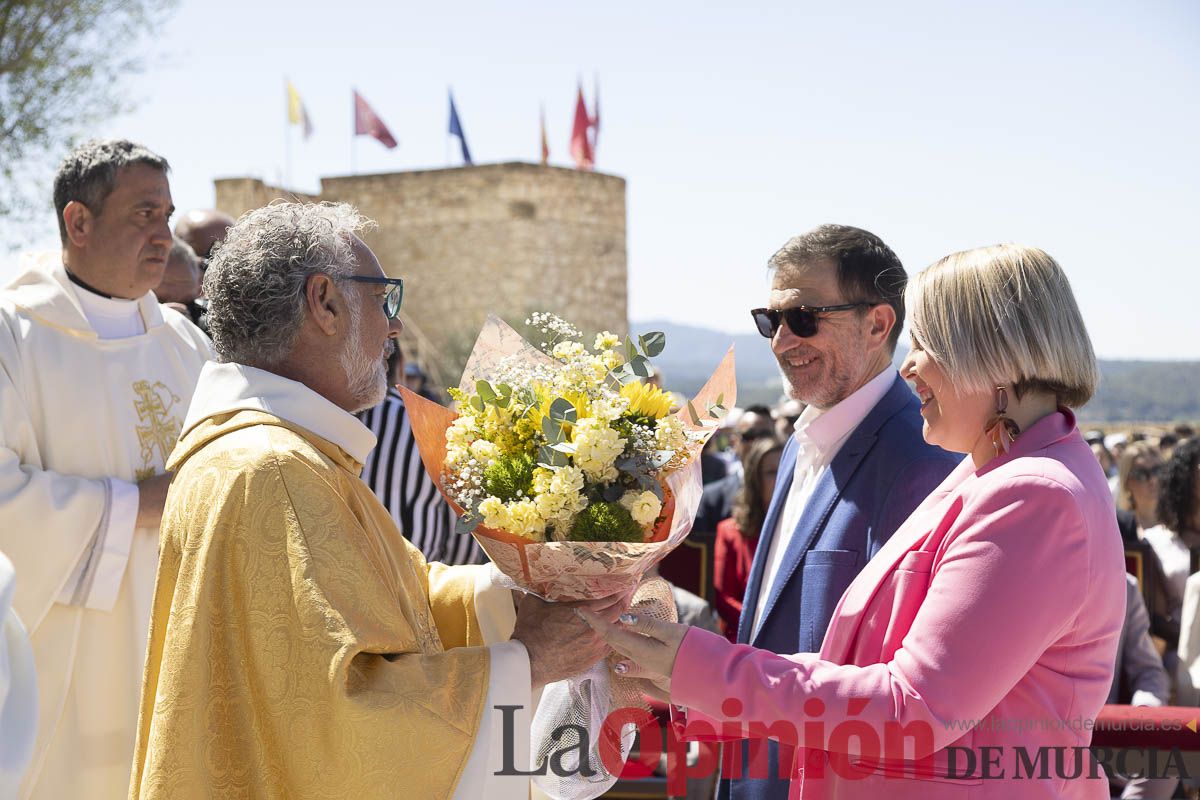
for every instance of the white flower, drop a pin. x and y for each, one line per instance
(567, 350)
(644, 507)
(669, 434)
(462, 431)
(541, 480)
(596, 449)
(484, 450)
(567, 481)
(495, 514)
(456, 454)
(524, 520)
(550, 505)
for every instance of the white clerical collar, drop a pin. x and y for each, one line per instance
(110, 317)
(826, 427)
(232, 387)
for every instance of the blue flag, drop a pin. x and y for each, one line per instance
(456, 130)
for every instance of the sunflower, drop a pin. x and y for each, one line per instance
(646, 400)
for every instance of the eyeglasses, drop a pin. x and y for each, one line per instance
(394, 296)
(1140, 473)
(801, 320)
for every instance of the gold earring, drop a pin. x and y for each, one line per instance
(1002, 429)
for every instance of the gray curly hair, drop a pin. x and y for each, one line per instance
(256, 278)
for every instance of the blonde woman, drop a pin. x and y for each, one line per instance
(991, 618)
(1137, 482)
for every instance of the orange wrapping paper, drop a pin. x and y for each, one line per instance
(572, 570)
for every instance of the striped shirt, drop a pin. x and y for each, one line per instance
(398, 478)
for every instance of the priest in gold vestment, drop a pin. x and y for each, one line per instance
(300, 646)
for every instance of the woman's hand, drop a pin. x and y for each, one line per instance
(649, 643)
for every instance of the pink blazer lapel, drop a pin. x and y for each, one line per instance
(927, 521)
(848, 616)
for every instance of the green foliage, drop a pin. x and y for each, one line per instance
(606, 522)
(61, 62)
(509, 477)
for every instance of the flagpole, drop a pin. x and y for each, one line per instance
(287, 139)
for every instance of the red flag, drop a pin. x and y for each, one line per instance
(545, 141)
(368, 123)
(581, 147)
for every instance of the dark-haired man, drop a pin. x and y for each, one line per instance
(856, 465)
(95, 377)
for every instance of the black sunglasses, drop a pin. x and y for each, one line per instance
(1146, 473)
(394, 296)
(801, 320)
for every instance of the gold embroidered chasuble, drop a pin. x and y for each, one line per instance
(300, 646)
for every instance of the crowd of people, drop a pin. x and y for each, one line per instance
(226, 572)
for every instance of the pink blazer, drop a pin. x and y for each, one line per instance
(985, 629)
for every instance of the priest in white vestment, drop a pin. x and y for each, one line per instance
(95, 379)
(300, 646)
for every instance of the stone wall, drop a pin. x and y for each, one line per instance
(502, 238)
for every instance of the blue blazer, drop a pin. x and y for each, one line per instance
(881, 474)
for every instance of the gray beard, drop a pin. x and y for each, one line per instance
(366, 378)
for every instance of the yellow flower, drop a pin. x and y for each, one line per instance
(567, 350)
(495, 514)
(644, 507)
(606, 341)
(524, 520)
(483, 450)
(596, 449)
(646, 400)
(541, 479)
(613, 359)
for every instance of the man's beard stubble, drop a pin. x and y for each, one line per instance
(366, 377)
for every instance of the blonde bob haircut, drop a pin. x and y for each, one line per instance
(1004, 316)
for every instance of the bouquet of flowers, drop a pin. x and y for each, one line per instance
(575, 478)
(563, 461)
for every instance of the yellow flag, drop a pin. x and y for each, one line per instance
(297, 114)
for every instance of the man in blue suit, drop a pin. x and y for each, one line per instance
(857, 464)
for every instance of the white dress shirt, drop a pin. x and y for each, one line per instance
(819, 436)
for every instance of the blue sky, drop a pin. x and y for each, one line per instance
(938, 125)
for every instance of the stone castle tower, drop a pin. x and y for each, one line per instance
(502, 238)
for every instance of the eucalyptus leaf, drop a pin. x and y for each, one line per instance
(552, 430)
(640, 366)
(563, 411)
(652, 343)
(629, 377)
(466, 524)
(564, 447)
(630, 349)
(476, 403)
(661, 458)
(550, 458)
(485, 392)
(692, 413)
